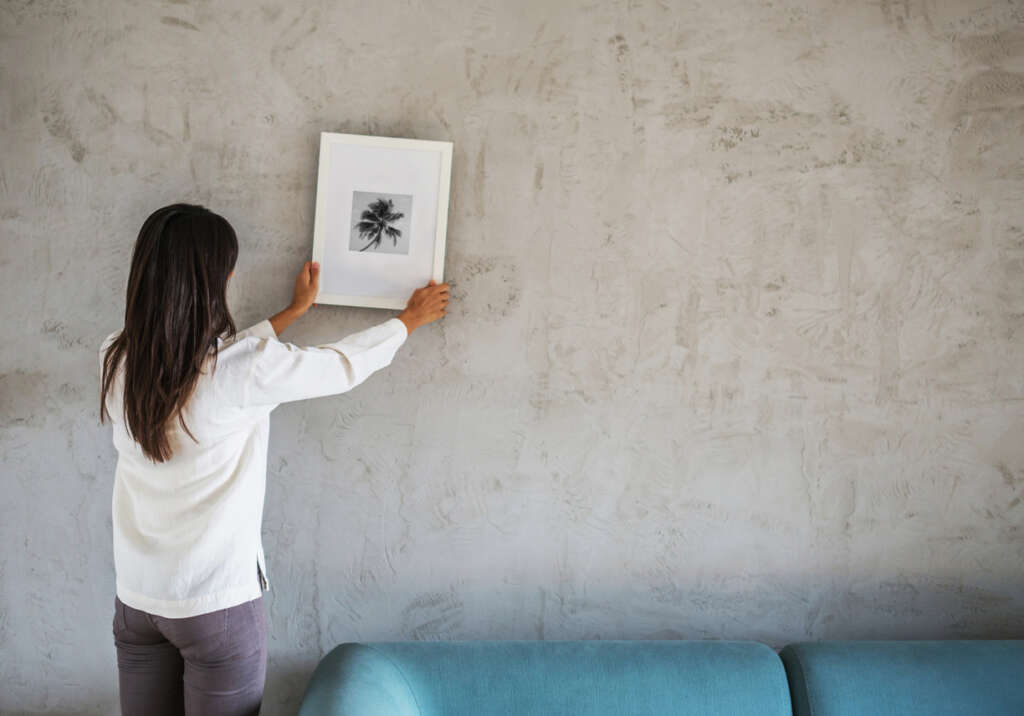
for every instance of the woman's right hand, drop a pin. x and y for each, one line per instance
(426, 305)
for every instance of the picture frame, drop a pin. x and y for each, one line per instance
(381, 219)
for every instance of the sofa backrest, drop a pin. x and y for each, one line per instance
(886, 678)
(549, 678)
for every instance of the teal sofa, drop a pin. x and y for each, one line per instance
(890, 678)
(667, 678)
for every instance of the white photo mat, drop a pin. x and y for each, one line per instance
(373, 268)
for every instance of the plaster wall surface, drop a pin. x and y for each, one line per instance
(736, 347)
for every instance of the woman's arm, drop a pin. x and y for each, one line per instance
(427, 304)
(265, 371)
(278, 372)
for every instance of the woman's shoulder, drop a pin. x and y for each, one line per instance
(260, 330)
(229, 368)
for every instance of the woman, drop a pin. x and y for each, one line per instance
(189, 399)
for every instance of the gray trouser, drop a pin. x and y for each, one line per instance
(214, 663)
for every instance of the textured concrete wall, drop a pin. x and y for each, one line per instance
(737, 345)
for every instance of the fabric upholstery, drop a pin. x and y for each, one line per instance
(549, 678)
(890, 678)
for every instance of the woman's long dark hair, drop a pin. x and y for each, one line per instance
(175, 310)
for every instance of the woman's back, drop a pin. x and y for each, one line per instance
(187, 530)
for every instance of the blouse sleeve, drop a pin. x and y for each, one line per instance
(280, 372)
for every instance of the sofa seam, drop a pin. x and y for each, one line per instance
(401, 673)
(785, 675)
(803, 682)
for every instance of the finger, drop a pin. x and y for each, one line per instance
(314, 272)
(432, 282)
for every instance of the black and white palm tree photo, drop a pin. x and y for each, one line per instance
(380, 222)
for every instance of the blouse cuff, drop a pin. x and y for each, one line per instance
(400, 328)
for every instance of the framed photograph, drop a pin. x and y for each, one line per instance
(381, 218)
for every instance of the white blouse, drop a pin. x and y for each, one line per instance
(187, 531)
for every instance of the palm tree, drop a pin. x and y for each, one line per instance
(376, 222)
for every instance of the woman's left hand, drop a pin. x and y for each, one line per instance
(307, 286)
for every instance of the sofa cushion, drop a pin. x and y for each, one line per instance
(548, 678)
(886, 678)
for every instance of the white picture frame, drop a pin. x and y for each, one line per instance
(377, 262)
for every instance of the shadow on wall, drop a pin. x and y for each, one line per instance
(286, 683)
(775, 611)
